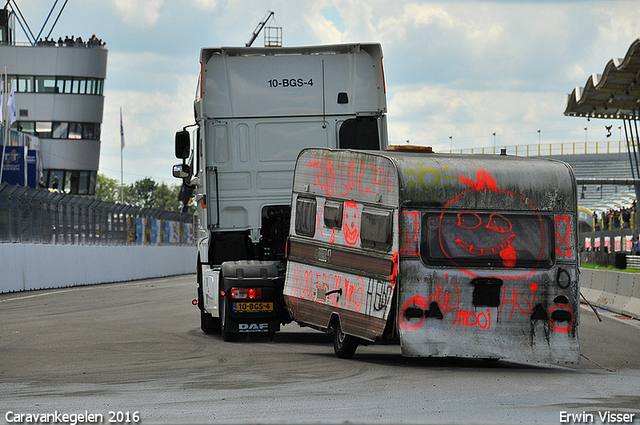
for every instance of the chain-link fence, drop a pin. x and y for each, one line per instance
(41, 216)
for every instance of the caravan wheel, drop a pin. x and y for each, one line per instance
(344, 345)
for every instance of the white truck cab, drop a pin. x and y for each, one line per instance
(255, 109)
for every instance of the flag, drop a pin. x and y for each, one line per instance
(121, 131)
(12, 105)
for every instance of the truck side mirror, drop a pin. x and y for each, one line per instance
(183, 144)
(181, 171)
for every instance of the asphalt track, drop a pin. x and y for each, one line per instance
(135, 350)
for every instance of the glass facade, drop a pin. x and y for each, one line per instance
(58, 85)
(59, 130)
(76, 182)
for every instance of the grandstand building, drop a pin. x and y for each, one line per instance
(612, 95)
(59, 99)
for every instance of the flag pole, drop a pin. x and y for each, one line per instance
(4, 123)
(121, 159)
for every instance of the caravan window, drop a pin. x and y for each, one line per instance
(333, 214)
(487, 239)
(376, 229)
(306, 216)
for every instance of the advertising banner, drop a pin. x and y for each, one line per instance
(16, 169)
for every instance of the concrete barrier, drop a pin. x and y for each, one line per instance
(39, 266)
(612, 290)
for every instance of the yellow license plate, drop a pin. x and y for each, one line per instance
(252, 306)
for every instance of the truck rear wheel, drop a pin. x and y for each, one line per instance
(344, 345)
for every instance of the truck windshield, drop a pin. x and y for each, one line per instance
(485, 239)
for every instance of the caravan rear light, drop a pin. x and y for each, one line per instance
(246, 293)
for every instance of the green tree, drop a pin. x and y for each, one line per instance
(166, 197)
(107, 189)
(142, 193)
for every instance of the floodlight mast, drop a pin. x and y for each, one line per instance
(33, 39)
(259, 28)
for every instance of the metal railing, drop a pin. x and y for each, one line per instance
(41, 216)
(550, 149)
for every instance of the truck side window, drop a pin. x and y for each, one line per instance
(306, 216)
(360, 133)
(375, 229)
(333, 214)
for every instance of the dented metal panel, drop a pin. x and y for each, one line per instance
(490, 266)
(342, 267)
(486, 249)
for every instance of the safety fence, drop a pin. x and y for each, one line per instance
(41, 216)
(552, 149)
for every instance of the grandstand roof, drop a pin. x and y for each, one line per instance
(614, 94)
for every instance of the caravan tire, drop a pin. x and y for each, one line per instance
(344, 345)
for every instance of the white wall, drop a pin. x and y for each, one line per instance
(612, 290)
(39, 266)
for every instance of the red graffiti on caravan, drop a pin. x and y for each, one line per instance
(342, 178)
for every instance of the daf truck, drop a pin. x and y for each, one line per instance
(255, 110)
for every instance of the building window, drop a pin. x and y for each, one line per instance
(25, 85)
(75, 130)
(60, 130)
(90, 86)
(45, 85)
(25, 126)
(61, 85)
(43, 130)
(74, 182)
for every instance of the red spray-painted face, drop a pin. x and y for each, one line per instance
(498, 223)
(351, 223)
(481, 238)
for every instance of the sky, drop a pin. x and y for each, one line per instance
(456, 71)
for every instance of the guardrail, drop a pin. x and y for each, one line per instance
(551, 149)
(40, 216)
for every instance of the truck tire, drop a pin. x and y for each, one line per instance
(344, 345)
(224, 322)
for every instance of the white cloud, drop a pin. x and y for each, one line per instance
(463, 68)
(428, 115)
(208, 5)
(139, 12)
(323, 28)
